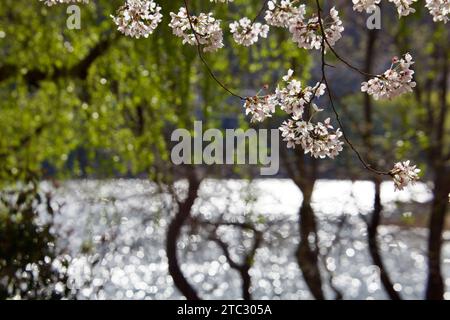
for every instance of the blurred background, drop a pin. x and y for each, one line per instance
(91, 207)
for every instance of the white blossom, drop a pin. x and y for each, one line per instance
(404, 6)
(439, 9)
(365, 5)
(247, 33)
(138, 18)
(260, 107)
(404, 174)
(307, 34)
(333, 29)
(320, 139)
(293, 98)
(279, 14)
(206, 31)
(394, 82)
(54, 2)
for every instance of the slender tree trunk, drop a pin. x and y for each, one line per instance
(246, 283)
(435, 286)
(173, 233)
(374, 250)
(375, 218)
(307, 252)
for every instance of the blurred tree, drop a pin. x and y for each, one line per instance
(419, 130)
(30, 262)
(427, 121)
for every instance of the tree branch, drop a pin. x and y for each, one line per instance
(79, 70)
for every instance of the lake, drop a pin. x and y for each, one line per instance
(114, 233)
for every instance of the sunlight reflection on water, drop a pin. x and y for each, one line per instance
(115, 233)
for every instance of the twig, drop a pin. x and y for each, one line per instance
(202, 58)
(260, 11)
(330, 96)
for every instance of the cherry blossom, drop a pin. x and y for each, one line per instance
(320, 139)
(260, 107)
(439, 9)
(404, 6)
(365, 5)
(293, 98)
(307, 34)
(247, 33)
(281, 14)
(394, 82)
(138, 18)
(404, 174)
(207, 31)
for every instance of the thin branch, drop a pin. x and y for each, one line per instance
(202, 58)
(348, 64)
(260, 11)
(330, 95)
(79, 70)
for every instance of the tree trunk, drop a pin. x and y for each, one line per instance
(435, 286)
(374, 250)
(173, 233)
(307, 252)
(246, 283)
(375, 218)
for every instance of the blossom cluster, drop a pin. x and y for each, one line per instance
(306, 33)
(439, 9)
(281, 14)
(138, 18)
(318, 139)
(203, 30)
(395, 81)
(365, 5)
(246, 33)
(404, 7)
(293, 98)
(404, 174)
(260, 107)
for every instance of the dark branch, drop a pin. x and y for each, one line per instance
(79, 70)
